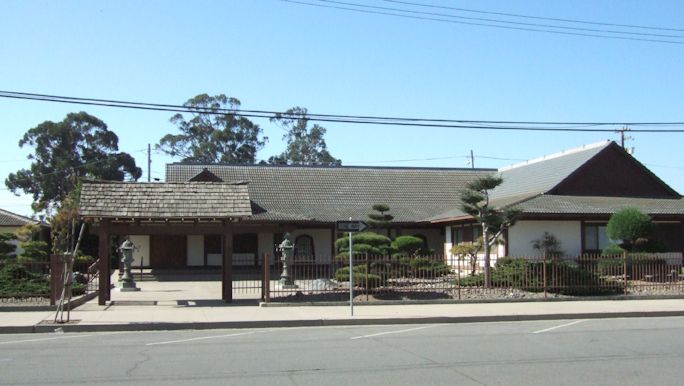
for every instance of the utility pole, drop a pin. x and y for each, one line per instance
(472, 159)
(624, 137)
(149, 161)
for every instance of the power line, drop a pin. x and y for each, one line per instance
(535, 17)
(352, 119)
(502, 21)
(509, 27)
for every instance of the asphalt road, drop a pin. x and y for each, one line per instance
(643, 351)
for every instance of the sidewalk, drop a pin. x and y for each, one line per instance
(198, 314)
(172, 305)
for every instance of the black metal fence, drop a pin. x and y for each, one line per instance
(440, 277)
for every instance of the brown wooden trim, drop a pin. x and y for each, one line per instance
(103, 251)
(227, 277)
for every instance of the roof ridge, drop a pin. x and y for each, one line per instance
(205, 165)
(557, 155)
(19, 217)
(157, 183)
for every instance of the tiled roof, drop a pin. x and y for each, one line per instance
(542, 174)
(164, 200)
(12, 219)
(328, 194)
(551, 204)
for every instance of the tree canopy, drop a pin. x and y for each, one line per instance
(494, 221)
(631, 226)
(305, 146)
(381, 219)
(81, 145)
(214, 133)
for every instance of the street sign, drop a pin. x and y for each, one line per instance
(351, 226)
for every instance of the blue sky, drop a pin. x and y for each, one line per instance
(273, 55)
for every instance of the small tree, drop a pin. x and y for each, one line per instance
(380, 219)
(548, 245)
(408, 245)
(475, 202)
(631, 226)
(468, 250)
(364, 242)
(7, 247)
(31, 249)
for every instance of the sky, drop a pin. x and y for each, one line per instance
(273, 55)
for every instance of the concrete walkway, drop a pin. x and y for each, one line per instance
(192, 305)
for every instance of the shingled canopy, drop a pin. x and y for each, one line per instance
(165, 201)
(128, 208)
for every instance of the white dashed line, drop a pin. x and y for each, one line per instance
(199, 338)
(394, 332)
(561, 326)
(45, 339)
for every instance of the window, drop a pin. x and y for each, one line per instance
(595, 237)
(304, 247)
(457, 235)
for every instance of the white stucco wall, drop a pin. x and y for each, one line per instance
(521, 235)
(322, 242)
(448, 243)
(195, 256)
(142, 249)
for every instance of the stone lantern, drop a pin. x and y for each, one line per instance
(127, 282)
(286, 249)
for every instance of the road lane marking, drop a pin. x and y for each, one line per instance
(561, 326)
(44, 339)
(394, 332)
(200, 338)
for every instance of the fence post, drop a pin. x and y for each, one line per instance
(624, 270)
(266, 282)
(458, 275)
(545, 278)
(367, 269)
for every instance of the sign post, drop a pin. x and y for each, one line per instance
(351, 275)
(351, 227)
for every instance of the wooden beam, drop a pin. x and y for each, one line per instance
(103, 252)
(227, 277)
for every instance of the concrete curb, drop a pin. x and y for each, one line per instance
(48, 328)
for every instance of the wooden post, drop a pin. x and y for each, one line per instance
(103, 252)
(227, 278)
(266, 287)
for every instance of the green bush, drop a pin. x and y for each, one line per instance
(365, 243)
(407, 244)
(473, 281)
(361, 278)
(427, 268)
(631, 226)
(612, 250)
(561, 277)
(17, 281)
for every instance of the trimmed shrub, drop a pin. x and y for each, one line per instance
(408, 245)
(365, 243)
(17, 281)
(631, 226)
(360, 277)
